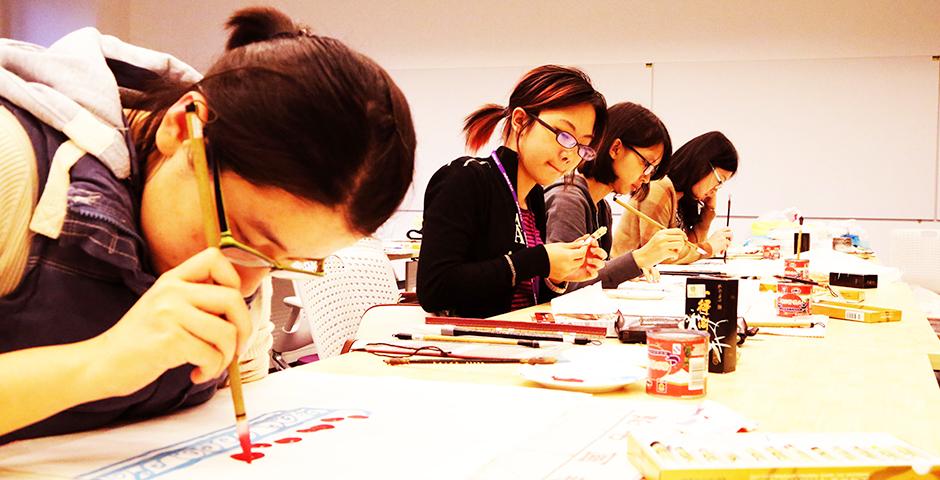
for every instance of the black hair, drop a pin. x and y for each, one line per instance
(542, 88)
(300, 112)
(635, 126)
(694, 161)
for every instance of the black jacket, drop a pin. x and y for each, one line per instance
(470, 224)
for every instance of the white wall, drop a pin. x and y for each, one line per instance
(420, 39)
(44, 21)
(455, 33)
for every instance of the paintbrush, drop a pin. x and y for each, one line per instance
(197, 149)
(727, 224)
(530, 361)
(799, 240)
(650, 220)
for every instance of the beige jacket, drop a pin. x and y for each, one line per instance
(660, 204)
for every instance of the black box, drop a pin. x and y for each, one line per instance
(804, 243)
(854, 280)
(711, 304)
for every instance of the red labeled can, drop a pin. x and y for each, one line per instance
(796, 268)
(771, 251)
(794, 299)
(677, 362)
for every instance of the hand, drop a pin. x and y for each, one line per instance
(711, 201)
(651, 275)
(577, 261)
(193, 314)
(663, 245)
(720, 240)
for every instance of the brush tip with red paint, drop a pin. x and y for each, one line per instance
(241, 426)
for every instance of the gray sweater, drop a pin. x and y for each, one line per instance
(572, 214)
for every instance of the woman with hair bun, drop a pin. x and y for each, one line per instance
(111, 306)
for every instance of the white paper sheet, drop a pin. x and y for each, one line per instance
(415, 429)
(391, 428)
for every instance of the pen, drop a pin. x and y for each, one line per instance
(442, 338)
(453, 331)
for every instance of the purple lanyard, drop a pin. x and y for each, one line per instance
(518, 212)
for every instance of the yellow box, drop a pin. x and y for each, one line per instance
(853, 294)
(778, 456)
(855, 312)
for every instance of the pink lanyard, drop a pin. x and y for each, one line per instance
(518, 213)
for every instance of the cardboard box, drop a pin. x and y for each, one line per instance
(855, 312)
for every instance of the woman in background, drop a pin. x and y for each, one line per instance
(483, 250)
(685, 199)
(636, 149)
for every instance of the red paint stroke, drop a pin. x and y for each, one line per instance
(288, 440)
(560, 379)
(247, 457)
(331, 419)
(260, 445)
(358, 416)
(316, 428)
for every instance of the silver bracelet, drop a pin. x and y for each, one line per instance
(556, 288)
(512, 268)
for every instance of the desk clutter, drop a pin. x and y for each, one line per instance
(794, 456)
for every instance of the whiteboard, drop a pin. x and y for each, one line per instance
(844, 138)
(441, 98)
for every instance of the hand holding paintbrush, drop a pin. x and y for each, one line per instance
(653, 222)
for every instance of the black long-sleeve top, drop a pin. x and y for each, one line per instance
(470, 225)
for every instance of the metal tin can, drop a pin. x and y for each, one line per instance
(842, 244)
(796, 268)
(794, 299)
(677, 362)
(771, 251)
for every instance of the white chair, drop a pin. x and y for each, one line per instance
(292, 337)
(381, 322)
(357, 278)
(916, 252)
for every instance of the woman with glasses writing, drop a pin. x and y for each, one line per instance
(685, 199)
(636, 148)
(483, 250)
(111, 306)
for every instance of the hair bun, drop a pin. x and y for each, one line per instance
(256, 24)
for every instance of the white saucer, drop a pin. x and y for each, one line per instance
(575, 377)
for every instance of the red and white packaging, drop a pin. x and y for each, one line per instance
(796, 268)
(770, 251)
(794, 299)
(677, 362)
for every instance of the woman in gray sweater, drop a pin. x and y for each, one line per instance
(636, 149)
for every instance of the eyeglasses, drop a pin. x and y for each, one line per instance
(246, 256)
(567, 140)
(650, 169)
(717, 177)
(241, 254)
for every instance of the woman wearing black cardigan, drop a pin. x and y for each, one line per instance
(483, 250)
